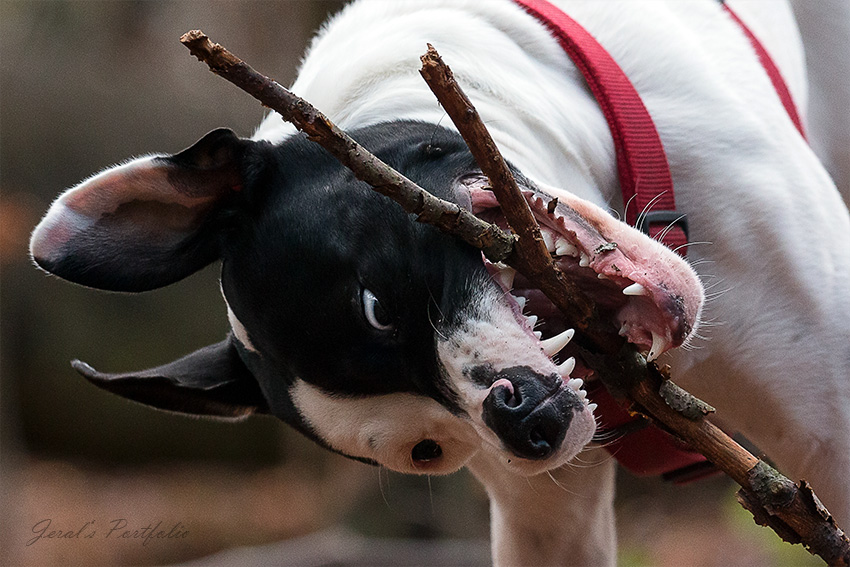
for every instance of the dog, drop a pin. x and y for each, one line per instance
(394, 344)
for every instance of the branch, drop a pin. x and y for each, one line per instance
(530, 257)
(792, 510)
(449, 217)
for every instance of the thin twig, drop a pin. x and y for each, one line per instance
(493, 241)
(530, 256)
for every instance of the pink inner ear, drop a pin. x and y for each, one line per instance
(145, 180)
(54, 231)
(141, 225)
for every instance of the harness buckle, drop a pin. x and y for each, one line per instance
(674, 218)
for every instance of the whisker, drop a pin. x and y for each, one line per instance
(436, 128)
(648, 207)
(660, 236)
(431, 495)
(629, 202)
(381, 486)
(433, 302)
(561, 486)
(688, 244)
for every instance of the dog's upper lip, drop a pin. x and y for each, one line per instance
(654, 297)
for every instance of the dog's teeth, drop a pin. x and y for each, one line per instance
(538, 334)
(564, 248)
(506, 277)
(566, 367)
(659, 345)
(553, 345)
(548, 239)
(521, 301)
(582, 394)
(532, 320)
(602, 276)
(584, 260)
(591, 407)
(635, 289)
(575, 383)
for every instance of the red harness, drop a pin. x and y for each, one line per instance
(650, 206)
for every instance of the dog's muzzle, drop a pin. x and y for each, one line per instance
(530, 412)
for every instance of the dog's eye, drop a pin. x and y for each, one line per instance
(426, 450)
(374, 312)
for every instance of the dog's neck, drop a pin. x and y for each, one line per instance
(565, 517)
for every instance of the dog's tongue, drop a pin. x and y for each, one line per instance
(652, 295)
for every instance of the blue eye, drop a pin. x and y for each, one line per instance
(374, 312)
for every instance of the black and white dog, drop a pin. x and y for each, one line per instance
(389, 342)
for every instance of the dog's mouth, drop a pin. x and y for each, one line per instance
(651, 296)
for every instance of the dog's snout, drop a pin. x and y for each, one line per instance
(529, 412)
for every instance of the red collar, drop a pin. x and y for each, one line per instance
(640, 156)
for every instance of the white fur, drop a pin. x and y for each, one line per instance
(497, 339)
(776, 365)
(386, 428)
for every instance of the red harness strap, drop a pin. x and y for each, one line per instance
(645, 179)
(772, 72)
(642, 164)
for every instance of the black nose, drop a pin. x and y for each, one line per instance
(529, 412)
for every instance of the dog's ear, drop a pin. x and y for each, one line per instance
(212, 381)
(144, 224)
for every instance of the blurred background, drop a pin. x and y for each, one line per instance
(86, 84)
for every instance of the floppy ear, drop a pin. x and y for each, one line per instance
(212, 381)
(144, 224)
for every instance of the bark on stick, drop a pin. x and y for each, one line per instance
(447, 216)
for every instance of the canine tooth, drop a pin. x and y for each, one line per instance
(548, 239)
(659, 345)
(521, 300)
(582, 394)
(506, 277)
(564, 248)
(602, 276)
(553, 345)
(575, 383)
(635, 289)
(532, 320)
(566, 367)
(538, 334)
(591, 407)
(584, 260)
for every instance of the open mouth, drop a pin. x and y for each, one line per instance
(651, 296)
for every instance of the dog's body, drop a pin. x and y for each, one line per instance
(428, 358)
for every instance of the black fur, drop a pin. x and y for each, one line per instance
(314, 237)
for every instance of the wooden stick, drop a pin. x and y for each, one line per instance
(530, 256)
(792, 510)
(493, 241)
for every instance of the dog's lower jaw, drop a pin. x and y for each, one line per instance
(563, 517)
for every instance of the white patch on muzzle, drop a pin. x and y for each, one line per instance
(496, 338)
(386, 428)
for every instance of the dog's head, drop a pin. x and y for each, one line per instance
(378, 337)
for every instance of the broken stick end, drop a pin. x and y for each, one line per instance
(212, 54)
